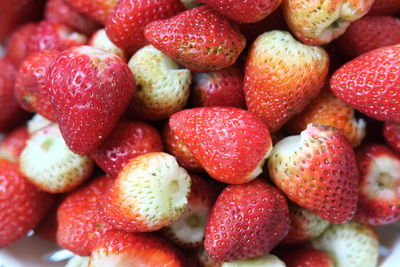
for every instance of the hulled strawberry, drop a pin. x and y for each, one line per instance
(318, 171)
(149, 193)
(369, 83)
(276, 95)
(369, 33)
(22, 205)
(54, 36)
(305, 256)
(162, 86)
(305, 225)
(118, 248)
(231, 144)
(199, 39)
(31, 83)
(244, 12)
(37, 122)
(379, 185)
(47, 162)
(266, 260)
(98, 10)
(90, 89)
(100, 40)
(391, 133)
(79, 223)
(128, 19)
(17, 43)
(247, 221)
(218, 88)
(179, 150)
(327, 109)
(350, 244)
(13, 144)
(319, 22)
(129, 139)
(385, 7)
(188, 231)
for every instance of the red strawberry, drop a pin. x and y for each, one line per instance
(379, 185)
(47, 228)
(179, 150)
(126, 141)
(79, 223)
(276, 95)
(244, 11)
(17, 44)
(369, 33)
(117, 248)
(317, 170)
(98, 10)
(385, 7)
(128, 19)
(306, 257)
(218, 88)
(13, 144)
(100, 40)
(58, 11)
(370, 83)
(31, 83)
(201, 255)
(22, 205)
(231, 144)
(214, 42)
(391, 133)
(90, 89)
(247, 221)
(11, 114)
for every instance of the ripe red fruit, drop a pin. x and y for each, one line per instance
(306, 257)
(98, 10)
(391, 133)
(385, 7)
(17, 45)
(13, 144)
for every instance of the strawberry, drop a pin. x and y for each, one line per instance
(305, 256)
(218, 88)
(369, 33)
(78, 261)
(13, 144)
(369, 83)
(11, 114)
(247, 221)
(22, 205)
(117, 248)
(317, 170)
(379, 185)
(47, 162)
(58, 11)
(47, 228)
(126, 23)
(79, 223)
(54, 36)
(231, 144)
(98, 10)
(100, 40)
(179, 150)
(214, 42)
(266, 261)
(385, 7)
(31, 83)
(188, 231)
(201, 255)
(327, 109)
(149, 193)
(37, 122)
(17, 44)
(319, 22)
(350, 244)
(162, 86)
(305, 225)
(244, 11)
(391, 133)
(88, 105)
(276, 95)
(126, 141)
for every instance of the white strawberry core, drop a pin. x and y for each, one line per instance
(67, 34)
(78, 261)
(264, 261)
(88, 50)
(37, 122)
(103, 259)
(289, 145)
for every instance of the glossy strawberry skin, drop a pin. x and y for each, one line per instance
(31, 83)
(212, 134)
(22, 205)
(214, 42)
(17, 44)
(306, 257)
(369, 33)
(13, 144)
(246, 221)
(79, 223)
(98, 10)
(126, 141)
(391, 133)
(385, 7)
(126, 31)
(369, 83)
(87, 106)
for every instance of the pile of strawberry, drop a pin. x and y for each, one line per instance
(210, 133)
